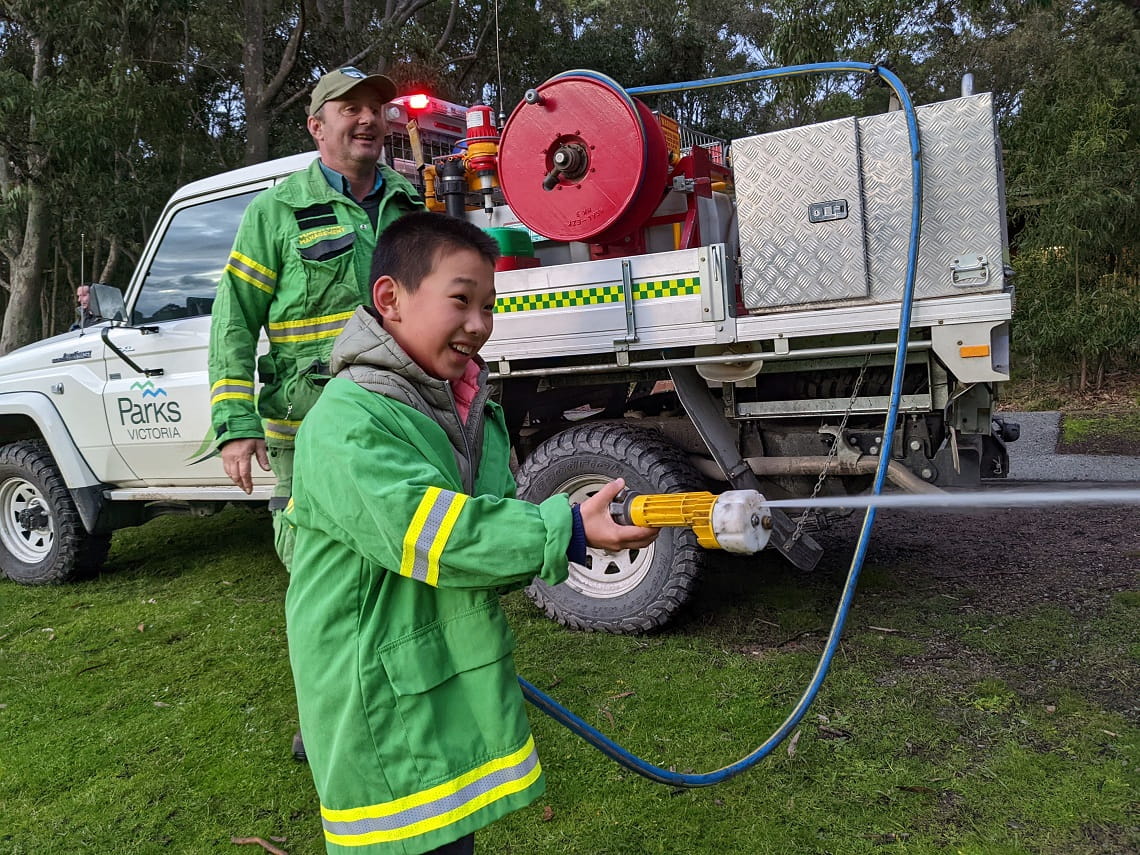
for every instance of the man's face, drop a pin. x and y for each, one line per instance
(83, 295)
(350, 131)
(444, 322)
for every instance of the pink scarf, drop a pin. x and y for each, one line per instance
(465, 388)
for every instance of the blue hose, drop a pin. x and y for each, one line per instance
(599, 740)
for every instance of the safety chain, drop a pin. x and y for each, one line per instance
(831, 453)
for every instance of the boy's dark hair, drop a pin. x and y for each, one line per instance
(408, 249)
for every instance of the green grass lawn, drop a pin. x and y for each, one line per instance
(150, 711)
(1085, 427)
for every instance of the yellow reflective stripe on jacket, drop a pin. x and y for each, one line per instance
(308, 329)
(227, 389)
(438, 807)
(248, 270)
(428, 533)
(281, 429)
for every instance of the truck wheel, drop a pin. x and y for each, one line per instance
(42, 538)
(637, 590)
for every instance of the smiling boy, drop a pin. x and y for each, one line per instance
(407, 533)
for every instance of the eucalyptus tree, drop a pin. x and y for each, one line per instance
(96, 104)
(635, 42)
(273, 52)
(1073, 166)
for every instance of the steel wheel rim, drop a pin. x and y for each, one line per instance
(26, 544)
(605, 575)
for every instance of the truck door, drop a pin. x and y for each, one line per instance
(161, 422)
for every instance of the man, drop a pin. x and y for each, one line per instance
(299, 268)
(82, 300)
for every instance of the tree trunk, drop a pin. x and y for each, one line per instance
(253, 83)
(22, 320)
(112, 260)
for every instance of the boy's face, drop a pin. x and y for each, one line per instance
(444, 322)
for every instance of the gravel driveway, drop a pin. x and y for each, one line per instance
(1034, 457)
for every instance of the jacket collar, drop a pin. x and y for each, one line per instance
(304, 188)
(369, 350)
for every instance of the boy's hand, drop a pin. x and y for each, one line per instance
(601, 530)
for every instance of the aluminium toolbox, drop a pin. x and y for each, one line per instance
(825, 210)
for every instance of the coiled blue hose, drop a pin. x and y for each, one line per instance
(599, 740)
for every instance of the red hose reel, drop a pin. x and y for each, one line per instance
(580, 160)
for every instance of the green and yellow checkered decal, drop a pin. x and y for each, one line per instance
(597, 296)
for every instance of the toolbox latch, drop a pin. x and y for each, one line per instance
(969, 270)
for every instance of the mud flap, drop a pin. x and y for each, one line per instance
(804, 553)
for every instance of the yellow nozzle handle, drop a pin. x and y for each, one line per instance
(736, 521)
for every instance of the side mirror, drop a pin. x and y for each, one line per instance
(106, 301)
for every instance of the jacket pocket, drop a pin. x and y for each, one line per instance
(330, 279)
(305, 386)
(271, 397)
(456, 691)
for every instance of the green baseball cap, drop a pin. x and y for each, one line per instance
(337, 83)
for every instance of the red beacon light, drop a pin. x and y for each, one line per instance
(418, 101)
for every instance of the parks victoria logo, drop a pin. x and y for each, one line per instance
(151, 415)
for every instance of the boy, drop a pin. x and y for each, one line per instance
(407, 533)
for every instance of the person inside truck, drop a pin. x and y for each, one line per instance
(82, 300)
(407, 533)
(299, 268)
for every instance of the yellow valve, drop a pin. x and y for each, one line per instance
(735, 521)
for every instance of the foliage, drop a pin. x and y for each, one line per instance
(81, 134)
(1074, 186)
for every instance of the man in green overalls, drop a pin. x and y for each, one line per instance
(299, 268)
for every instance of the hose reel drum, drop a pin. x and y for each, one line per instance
(583, 161)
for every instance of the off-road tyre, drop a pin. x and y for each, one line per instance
(635, 591)
(42, 539)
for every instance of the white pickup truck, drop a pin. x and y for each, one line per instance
(745, 340)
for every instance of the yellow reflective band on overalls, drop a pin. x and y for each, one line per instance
(428, 533)
(228, 389)
(281, 429)
(248, 270)
(308, 329)
(439, 807)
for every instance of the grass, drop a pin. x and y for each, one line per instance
(150, 711)
(1085, 427)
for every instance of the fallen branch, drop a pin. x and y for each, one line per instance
(268, 847)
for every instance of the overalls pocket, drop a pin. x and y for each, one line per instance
(330, 280)
(306, 385)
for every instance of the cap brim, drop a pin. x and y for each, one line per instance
(381, 85)
(384, 88)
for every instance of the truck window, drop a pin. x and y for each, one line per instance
(185, 271)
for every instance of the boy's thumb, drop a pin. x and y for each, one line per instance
(613, 488)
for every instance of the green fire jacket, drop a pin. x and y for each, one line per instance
(407, 532)
(299, 268)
